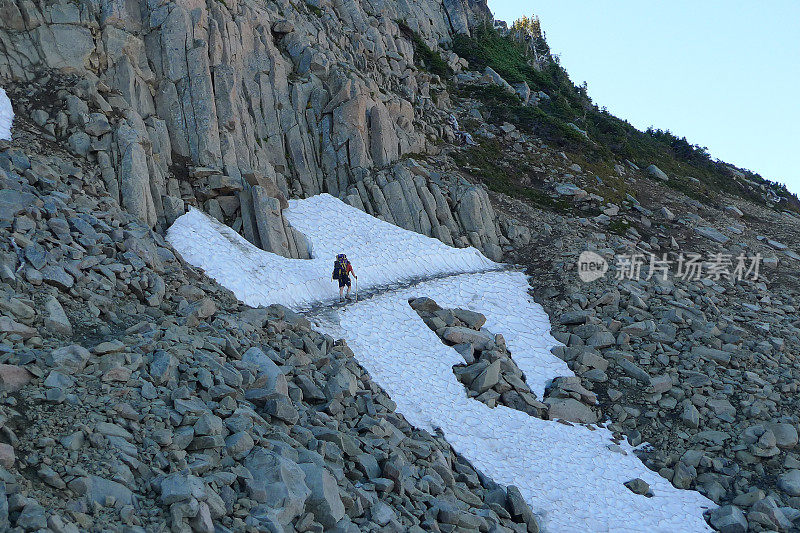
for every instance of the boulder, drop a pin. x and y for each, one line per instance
(492, 76)
(786, 436)
(523, 91)
(718, 356)
(100, 490)
(520, 510)
(324, 500)
(729, 519)
(7, 456)
(12, 327)
(180, 487)
(277, 482)
(472, 319)
(660, 384)
(134, 175)
(657, 173)
(789, 482)
(271, 379)
(690, 416)
(270, 223)
(70, 359)
(569, 189)
(638, 486)
(733, 211)
(173, 208)
(14, 202)
(239, 445)
(56, 320)
(32, 517)
(488, 378)
(570, 409)
(634, 370)
(461, 335)
(13, 378)
(712, 234)
(163, 367)
(58, 277)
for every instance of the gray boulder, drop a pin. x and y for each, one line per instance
(470, 318)
(100, 490)
(718, 356)
(461, 335)
(638, 486)
(56, 320)
(32, 517)
(163, 367)
(657, 173)
(70, 359)
(271, 378)
(634, 370)
(488, 378)
(729, 519)
(324, 501)
(519, 509)
(712, 234)
(173, 208)
(134, 175)
(277, 482)
(570, 409)
(14, 202)
(786, 436)
(790, 482)
(490, 74)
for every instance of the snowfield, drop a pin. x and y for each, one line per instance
(6, 115)
(382, 254)
(568, 474)
(571, 476)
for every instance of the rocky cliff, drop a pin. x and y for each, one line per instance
(235, 105)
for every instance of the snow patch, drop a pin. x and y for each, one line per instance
(570, 475)
(381, 254)
(6, 115)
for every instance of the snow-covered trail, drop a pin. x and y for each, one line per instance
(572, 476)
(492, 293)
(382, 254)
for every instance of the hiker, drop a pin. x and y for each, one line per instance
(341, 271)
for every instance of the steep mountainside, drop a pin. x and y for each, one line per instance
(200, 103)
(137, 394)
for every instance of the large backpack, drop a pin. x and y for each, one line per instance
(340, 268)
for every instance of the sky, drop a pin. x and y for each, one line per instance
(724, 74)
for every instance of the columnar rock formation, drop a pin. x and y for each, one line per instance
(200, 102)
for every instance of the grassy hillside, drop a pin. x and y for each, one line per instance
(569, 111)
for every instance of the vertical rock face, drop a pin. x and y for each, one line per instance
(436, 204)
(294, 98)
(274, 232)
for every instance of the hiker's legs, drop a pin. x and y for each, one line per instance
(344, 282)
(347, 293)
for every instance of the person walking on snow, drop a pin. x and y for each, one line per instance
(341, 272)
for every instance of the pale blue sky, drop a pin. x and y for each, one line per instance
(724, 74)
